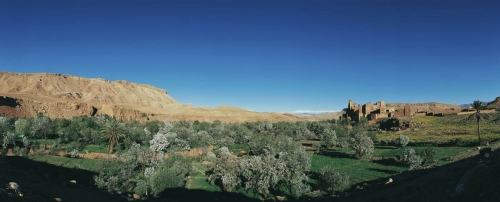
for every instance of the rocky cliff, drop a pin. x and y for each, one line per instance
(494, 103)
(65, 96)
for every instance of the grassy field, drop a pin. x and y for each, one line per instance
(80, 163)
(445, 129)
(383, 163)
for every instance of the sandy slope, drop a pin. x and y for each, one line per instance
(65, 96)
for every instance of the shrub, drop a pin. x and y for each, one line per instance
(159, 142)
(40, 151)
(20, 151)
(411, 158)
(170, 174)
(427, 156)
(316, 146)
(333, 181)
(402, 140)
(372, 135)
(362, 144)
(210, 156)
(74, 153)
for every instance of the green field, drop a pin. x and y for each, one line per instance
(449, 128)
(445, 135)
(66, 162)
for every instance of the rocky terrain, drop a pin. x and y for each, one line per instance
(65, 96)
(495, 103)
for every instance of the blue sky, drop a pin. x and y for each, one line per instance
(265, 55)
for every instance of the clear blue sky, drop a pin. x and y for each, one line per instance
(265, 55)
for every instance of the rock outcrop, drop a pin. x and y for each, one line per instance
(495, 103)
(66, 96)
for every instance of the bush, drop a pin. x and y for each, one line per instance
(411, 158)
(402, 140)
(333, 181)
(170, 174)
(316, 146)
(373, 136)
(141, 172)
(20, 151)
(427, 156)
(74, 153)
(210, 156)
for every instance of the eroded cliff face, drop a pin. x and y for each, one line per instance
(495, 103)
(72, 88)
(65, 96)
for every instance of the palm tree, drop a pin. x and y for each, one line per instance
(113, 131)
(478, 106)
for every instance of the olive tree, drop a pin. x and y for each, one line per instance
(361, 144)
(329, 136)
(262, 173)
(293, 176)
(142, 171)
(225, 171)
(411, 158)
(333, 181)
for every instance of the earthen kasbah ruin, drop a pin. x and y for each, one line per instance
(374, 111)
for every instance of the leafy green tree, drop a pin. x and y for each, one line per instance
(41, 126)
(60, 127)
(258, 142)
(478, 106)
(153, 126)
(315, 127)
(23, 126)
(113, 131)
(201, 126)
(6, 124)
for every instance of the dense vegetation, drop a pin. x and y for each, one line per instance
(258, 159)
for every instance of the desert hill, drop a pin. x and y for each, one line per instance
(65, 96)
(494, 103)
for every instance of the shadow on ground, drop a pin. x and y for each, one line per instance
(336, 154)
(389, 162)
(45, 182)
